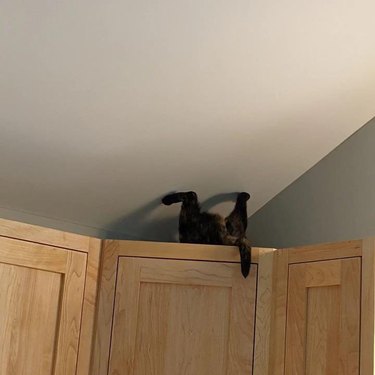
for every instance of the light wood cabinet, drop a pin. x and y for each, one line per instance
(43, 301)
(323, 310)
(323, 317)
(182, 317)
(41, 294)
(74, 305)
(177, 309)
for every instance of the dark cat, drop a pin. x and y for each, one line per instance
(206, 228)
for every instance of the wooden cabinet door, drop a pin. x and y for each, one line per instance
(182, 317)
(323, 318)
(41, 292)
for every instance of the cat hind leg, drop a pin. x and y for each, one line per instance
(179, 197)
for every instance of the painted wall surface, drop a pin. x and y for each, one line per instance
(54, 223)
(333, 201)
(104, 109)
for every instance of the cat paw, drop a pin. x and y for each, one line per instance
(188, 196)
(243, 196)
(169, 199)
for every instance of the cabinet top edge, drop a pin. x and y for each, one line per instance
(182, 251)
(330, 250)
(325, 245)
(46, 236)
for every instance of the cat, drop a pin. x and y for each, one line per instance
(206, 228)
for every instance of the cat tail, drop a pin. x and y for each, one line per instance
(245, 254)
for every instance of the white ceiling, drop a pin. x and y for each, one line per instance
(107, 105)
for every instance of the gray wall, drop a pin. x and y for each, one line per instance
(333, 201)
(48, 222)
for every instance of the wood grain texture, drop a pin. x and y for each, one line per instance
(112, 249)
(263, 312)
(325, 251)
(90, 301)
(70, 314)
(31, 255)
(125, 317)
(42, 303)
(278, 313)
(323, 334)
(29, 309)
(197, 273)
(105, 305)
(196, 327)
(367, 365)
(168, 250)
(47, 236)
(242, 321)
(189, 335)
(323, 318)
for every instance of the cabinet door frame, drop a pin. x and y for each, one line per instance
(367, 360)
(112, 250)
(318, 291)
(365, 249)
(135, 272)
(76, 243)
(72, 266)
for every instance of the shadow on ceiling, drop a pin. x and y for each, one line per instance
(143, 224)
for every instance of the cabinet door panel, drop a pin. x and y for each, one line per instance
(28, 321)
(323, 318)
(182, 317)
(41, 292)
